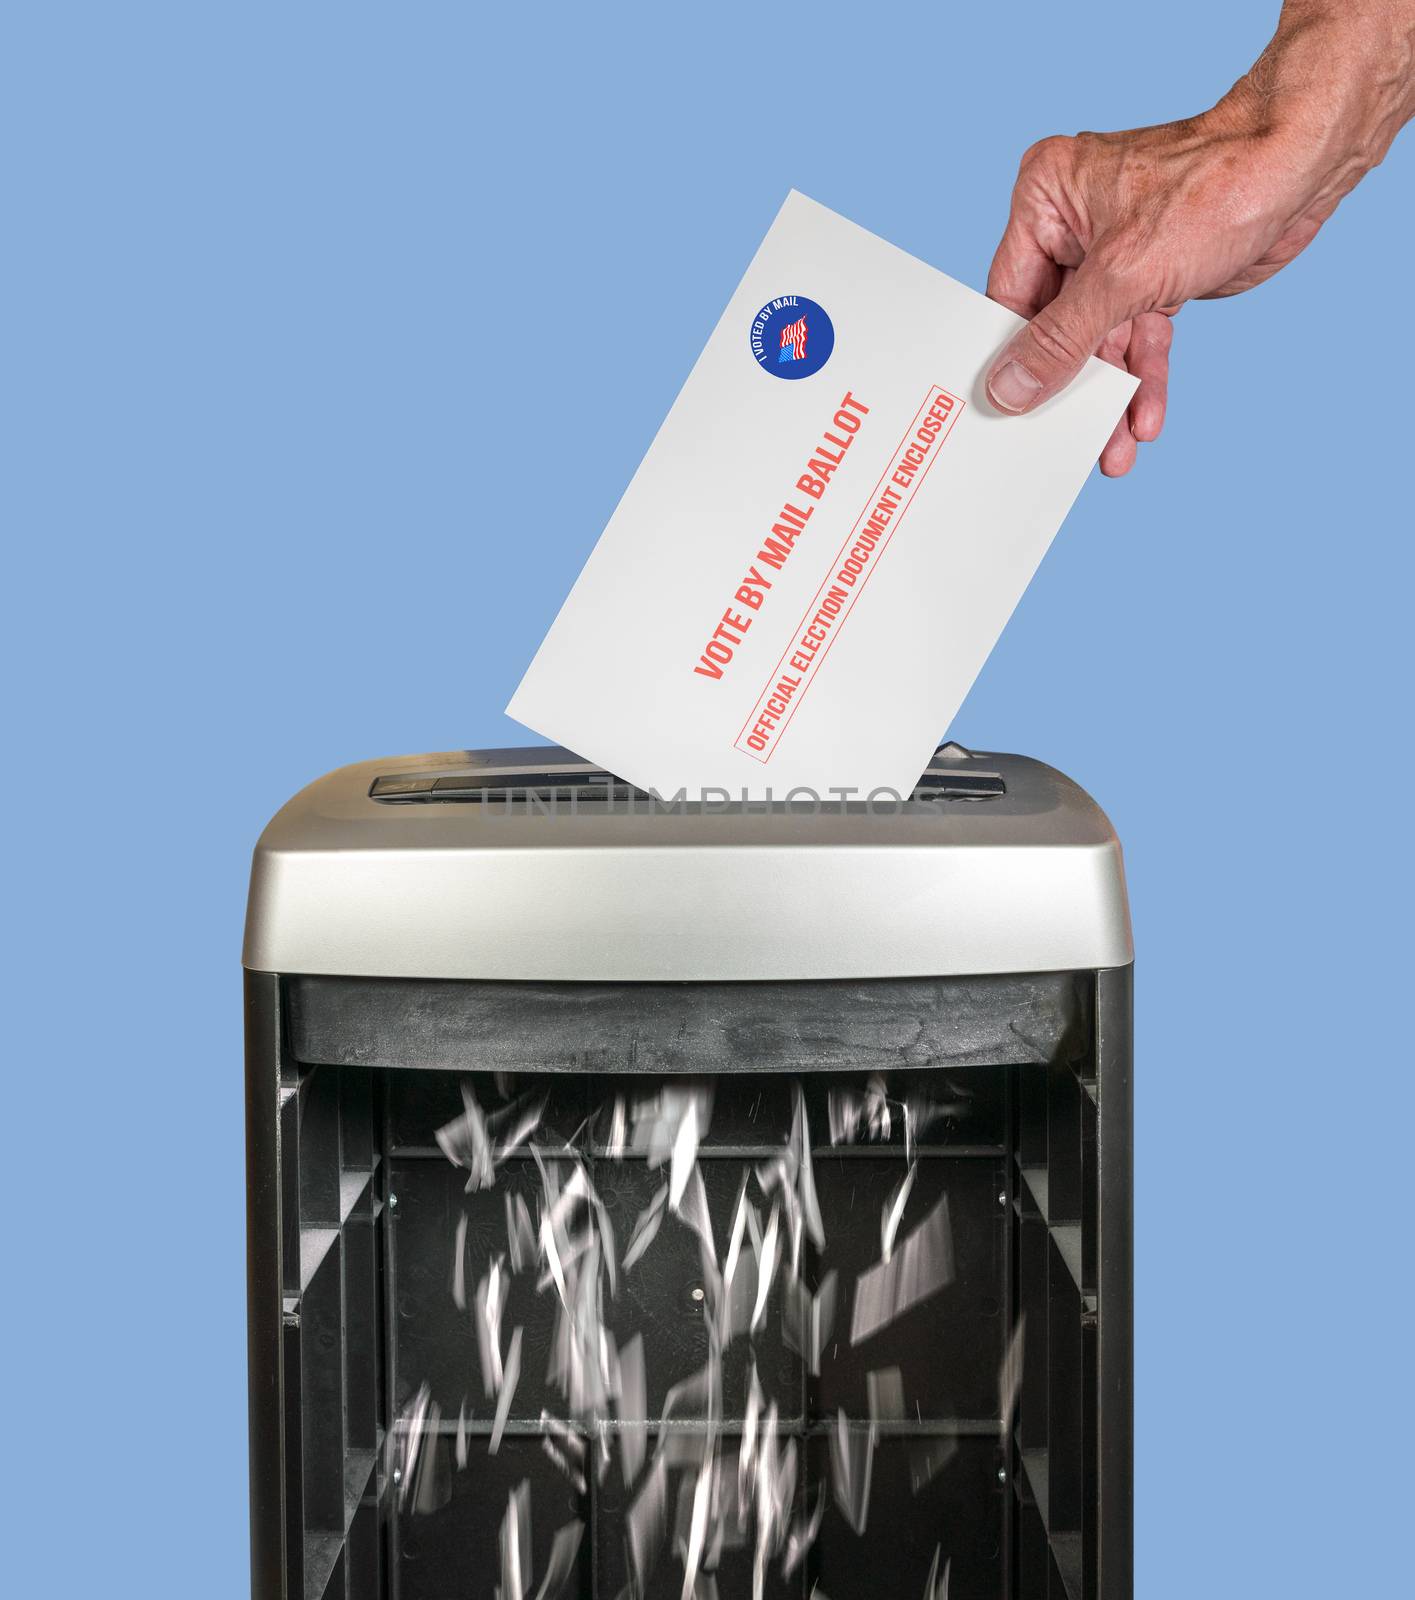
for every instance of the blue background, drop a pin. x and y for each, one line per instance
(281, 491)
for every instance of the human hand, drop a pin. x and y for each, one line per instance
(1110, 234)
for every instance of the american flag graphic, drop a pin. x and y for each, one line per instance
(793, 342)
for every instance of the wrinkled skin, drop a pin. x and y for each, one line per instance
(1110, 234)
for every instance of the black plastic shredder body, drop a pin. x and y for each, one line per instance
(484, 986)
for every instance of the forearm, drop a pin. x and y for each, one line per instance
(1332, 89)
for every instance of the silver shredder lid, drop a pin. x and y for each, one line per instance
(532, 864)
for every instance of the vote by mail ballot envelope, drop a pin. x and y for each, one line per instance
(824, 540)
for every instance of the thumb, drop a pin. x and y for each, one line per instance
(1048, 353)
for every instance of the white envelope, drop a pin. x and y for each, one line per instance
(824, 540)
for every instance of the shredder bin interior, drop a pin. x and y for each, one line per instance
(369, 1211)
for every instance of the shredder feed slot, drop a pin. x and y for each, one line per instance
(589, 788)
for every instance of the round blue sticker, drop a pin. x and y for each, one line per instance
(792, 337)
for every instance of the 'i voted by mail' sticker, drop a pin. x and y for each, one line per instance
(792, 337)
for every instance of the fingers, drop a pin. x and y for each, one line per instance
(1142, 347)
(1148, 359)
(1118, 456)
(1023, 277)
(1120, 450)
(1048, 353)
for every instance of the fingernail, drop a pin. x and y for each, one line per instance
(1013, 388)
(1146, 426)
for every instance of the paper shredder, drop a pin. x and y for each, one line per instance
(708, 1200)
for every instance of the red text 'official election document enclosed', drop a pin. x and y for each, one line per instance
(824, 540)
